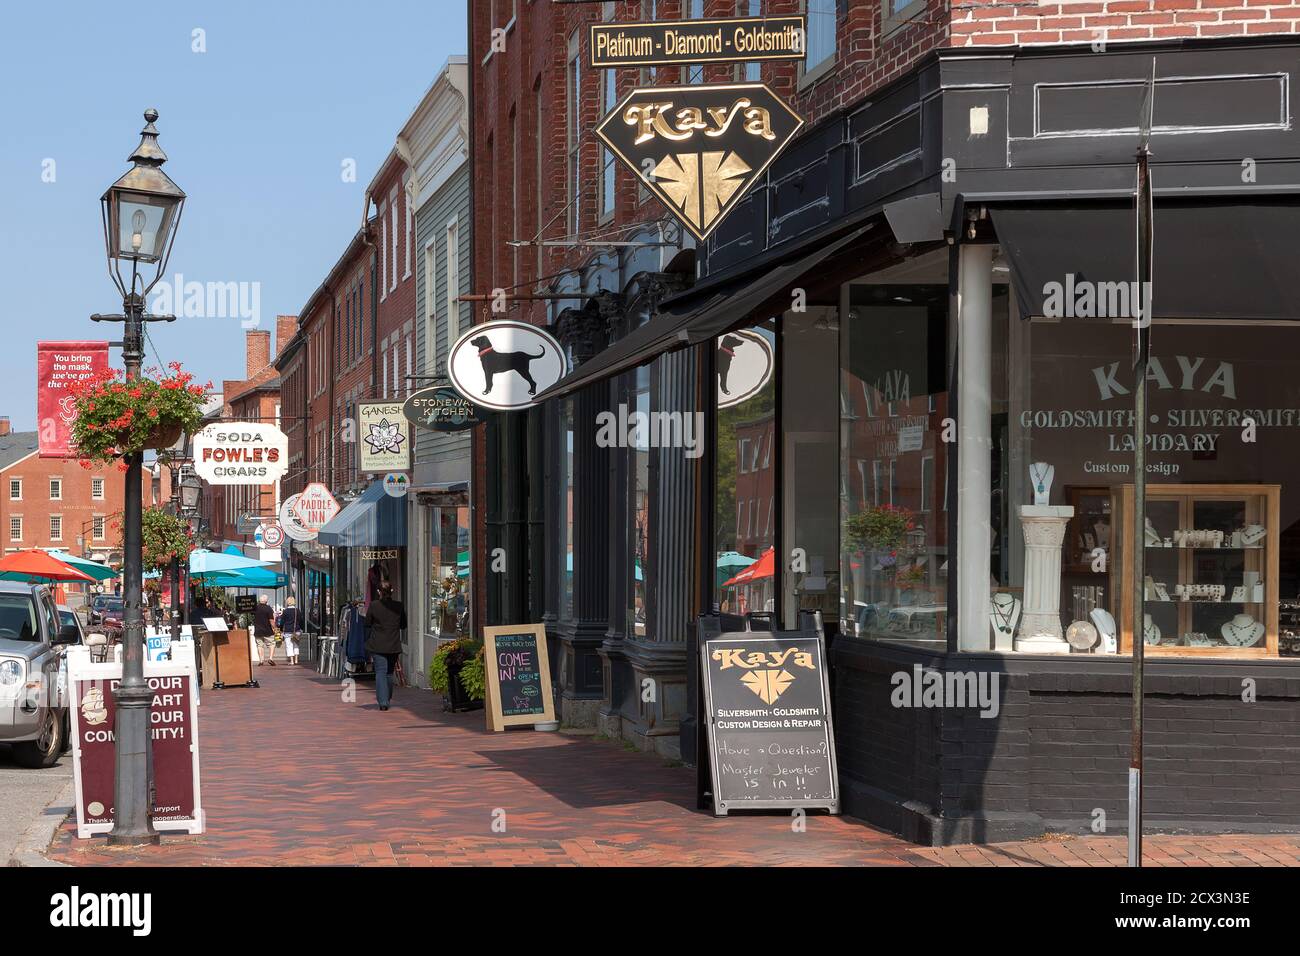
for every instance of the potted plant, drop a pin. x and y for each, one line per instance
(457, 672)
(115, 418)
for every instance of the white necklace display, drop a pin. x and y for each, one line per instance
(1004, 613)
(1252, 535)
(1106, 628)
(1242, 631)
(1040, 477)
(1150, 633)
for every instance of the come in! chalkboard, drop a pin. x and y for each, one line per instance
(771, 745)
(518, 674)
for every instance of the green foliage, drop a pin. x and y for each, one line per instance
(117, 418)
(466, 655)
(883, 528)
(164, 536)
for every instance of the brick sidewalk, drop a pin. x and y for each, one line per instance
(293, 775)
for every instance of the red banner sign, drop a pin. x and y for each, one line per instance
(59, 365)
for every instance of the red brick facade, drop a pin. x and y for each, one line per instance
(981, 23)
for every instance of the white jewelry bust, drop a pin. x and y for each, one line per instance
(1004, 615)
(1040, 480)
(1242, 631)
(1106, 628)
(1150, 633)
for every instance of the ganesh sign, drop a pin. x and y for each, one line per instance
(383, 437)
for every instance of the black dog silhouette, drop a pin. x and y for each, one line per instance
(726, 352)
(494, 361)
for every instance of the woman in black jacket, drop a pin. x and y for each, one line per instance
(385, 622)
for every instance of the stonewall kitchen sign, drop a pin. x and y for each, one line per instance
(697, 41)
(240, 453)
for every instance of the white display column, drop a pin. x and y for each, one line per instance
(975, 449)
(1040, 621)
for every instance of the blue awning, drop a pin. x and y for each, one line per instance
(375, 520)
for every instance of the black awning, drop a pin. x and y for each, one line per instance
(1214, 259)
(696, 320)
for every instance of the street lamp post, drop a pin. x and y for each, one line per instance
(185, 501)
(140, 214)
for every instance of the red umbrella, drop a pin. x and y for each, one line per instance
(764, 567)
(34, 563)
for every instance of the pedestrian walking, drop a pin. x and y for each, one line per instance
(385, 622)
(290, 627)
(264, 631)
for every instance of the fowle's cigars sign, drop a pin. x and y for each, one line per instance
(697, 41)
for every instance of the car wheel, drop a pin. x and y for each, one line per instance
(45, 749)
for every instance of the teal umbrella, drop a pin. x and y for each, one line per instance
(98, 571)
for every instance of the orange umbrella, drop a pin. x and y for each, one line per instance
(39, 565)
(762, 568)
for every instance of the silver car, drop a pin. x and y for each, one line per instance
(33, 700)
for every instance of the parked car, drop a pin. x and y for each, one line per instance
(33, 696)
(98, 603)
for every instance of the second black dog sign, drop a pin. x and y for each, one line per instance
(504, 365)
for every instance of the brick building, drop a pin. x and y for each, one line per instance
(56, 503)
(952, 450)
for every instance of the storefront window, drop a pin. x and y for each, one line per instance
(639, 505)
(566, 578)
(449, 582)
(747, 457)
(809, 464)
(1223, 487)
(893, 462)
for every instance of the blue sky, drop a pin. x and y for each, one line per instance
(256, 130)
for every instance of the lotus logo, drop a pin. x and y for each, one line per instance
(699, 148)
(385, 437)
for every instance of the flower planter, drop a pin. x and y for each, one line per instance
(455, 698)
(163, 437)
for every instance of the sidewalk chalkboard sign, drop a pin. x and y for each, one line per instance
(518, 676)
(245, 603)
(769, 723)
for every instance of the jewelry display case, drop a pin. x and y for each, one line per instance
(1211, 569)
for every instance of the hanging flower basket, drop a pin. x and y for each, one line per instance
(116, 417)
(163, 537)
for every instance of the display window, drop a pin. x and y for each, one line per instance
(895, 437)
(449, 582)
(746, 459)
(1222, 528)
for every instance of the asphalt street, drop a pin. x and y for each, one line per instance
(24, 795)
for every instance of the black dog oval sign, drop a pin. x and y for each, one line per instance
(504, 365)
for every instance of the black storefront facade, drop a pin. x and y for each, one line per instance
(943, 276)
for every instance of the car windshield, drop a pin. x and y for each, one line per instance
(111, 606)
(18, 617)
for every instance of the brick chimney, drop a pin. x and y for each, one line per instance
(286, 326)
(257, 351)
(4, 424)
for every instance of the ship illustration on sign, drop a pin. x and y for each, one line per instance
(699, 148)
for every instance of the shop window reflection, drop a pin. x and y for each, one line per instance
(745, 500)
(566, 577)
(893, 507)
(639, 504)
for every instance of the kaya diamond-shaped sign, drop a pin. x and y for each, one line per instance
(699, 148)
